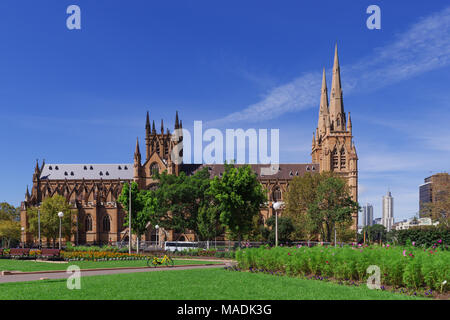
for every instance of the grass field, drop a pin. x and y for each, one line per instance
(208, 284)
(31, 265)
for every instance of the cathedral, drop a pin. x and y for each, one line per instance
(92, 189)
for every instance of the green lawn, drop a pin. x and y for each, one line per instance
(209, 284)
(31, 265)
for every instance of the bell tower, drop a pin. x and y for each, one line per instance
(332, 144)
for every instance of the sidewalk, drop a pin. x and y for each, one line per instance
(61, 274)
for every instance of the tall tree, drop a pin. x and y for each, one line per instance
(301, 194)
(333, 204)
(208, 221)
(50, 220)
(239, 196)
(143, 209)
(181, 199)
(285, 229)
(9, 232)
(8, 211)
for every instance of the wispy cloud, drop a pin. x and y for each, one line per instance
(423, 47)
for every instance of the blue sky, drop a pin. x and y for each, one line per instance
(80, 96)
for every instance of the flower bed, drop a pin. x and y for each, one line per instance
(99, 256)
(205, 253)
(408, 267)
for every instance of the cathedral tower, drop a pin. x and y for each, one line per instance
(332, 146)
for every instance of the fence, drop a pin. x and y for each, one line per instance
(228, 245)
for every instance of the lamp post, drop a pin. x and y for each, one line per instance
(157, 235)
(129, 222)
(23, 238)
(276, 207)
(129, 218)
(39, 229)
(60, 215)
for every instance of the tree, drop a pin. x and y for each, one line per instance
(143, 209)
(285, 229)
(9, 232)
(49, 218)
(208, 221)
(373, 233)
(8, 212)
(307, 206)
(184, 203)
(239, 196)
(333, 204)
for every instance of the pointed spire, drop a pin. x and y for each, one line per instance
(177, 123)
(336, 104)
(314, 140)
(349, 123)
(153, 127)
(137, 147)
(36, 169)
(137, 152)
(147, 123)
(162, 126)
(27, 195)
(181, 124)
(323, 109)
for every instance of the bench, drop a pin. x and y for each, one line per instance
(19, 252)
(50, 253)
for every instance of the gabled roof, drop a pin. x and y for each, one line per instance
(87, 171)
(285, 171)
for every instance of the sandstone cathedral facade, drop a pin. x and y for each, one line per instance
(92, 189)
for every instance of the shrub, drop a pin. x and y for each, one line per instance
(410, 267)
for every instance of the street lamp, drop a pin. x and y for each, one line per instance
(129, 218)
(39, 229)
(23, 238)
(60, 215)
(157, 235)
(276, 207)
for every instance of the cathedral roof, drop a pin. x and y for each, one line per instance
(87, 171)
(286, 171)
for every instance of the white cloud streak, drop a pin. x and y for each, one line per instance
(423, 47)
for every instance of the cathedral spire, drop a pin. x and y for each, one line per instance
(323, 109)
(137, 152)
(349, 123)
(27, 195)
(162, 126)
(177, 123)
(337, 113)
(153, 127)
(147, 124)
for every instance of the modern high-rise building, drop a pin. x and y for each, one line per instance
(367, 215)
(387, 219)
(431, 189)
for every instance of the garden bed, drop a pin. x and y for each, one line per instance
(411, 268)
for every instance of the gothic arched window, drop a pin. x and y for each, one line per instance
(106, 223)
(276, 195)
(154, 168)
(166, 148)
(88, 223)
(343, 159)
(157, 147)
(335, 160)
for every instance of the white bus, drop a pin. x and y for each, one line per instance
(179, 245)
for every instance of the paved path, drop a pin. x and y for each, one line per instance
(93, 272)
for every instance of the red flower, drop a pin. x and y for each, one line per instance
(326, 261)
